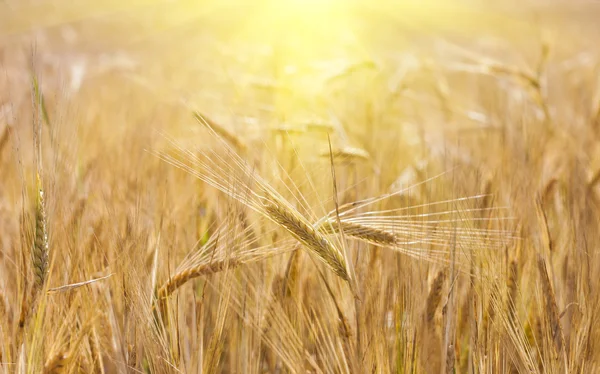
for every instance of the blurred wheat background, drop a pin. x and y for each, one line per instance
(299, 186)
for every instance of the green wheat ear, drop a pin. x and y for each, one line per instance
(40, 245)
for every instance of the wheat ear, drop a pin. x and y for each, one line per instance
(183, 276)
(221, 131)
(309, 237)
(435, 296)
(512, 283)
(362, 232)
(551, 306)
(40, 245)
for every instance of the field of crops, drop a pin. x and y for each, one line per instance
(299, 186)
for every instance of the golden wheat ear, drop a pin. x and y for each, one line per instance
(227, 248)
(182, 277)
(222, 131)
(363, 232)
(434, 297)
(314, 241)
(551, 306)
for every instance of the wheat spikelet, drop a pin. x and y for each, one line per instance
(551, 306)
(309, 237)
(226, 134)
(347, 153)
(290, 280)
(513, 274)
(40, 245)
(547, 241)
(182, 277)
(434, 297)
(369, 234)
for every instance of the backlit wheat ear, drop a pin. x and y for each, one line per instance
(226, 134)
(40, 246)
(309, 237)
(347, 153)
(420, 235)
(362, 232)
(60, 358)
(182, 277)
(213, 256)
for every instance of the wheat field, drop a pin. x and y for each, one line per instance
(299, 186)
